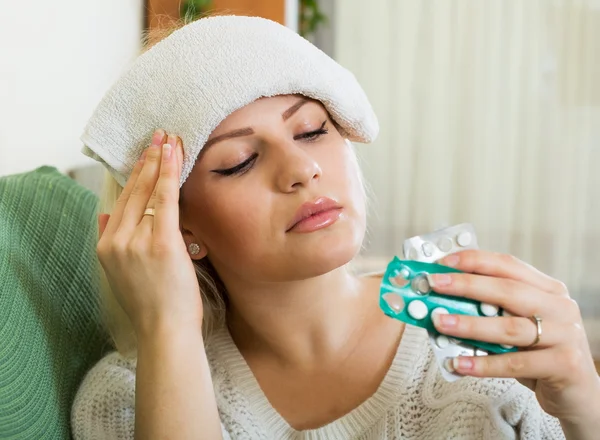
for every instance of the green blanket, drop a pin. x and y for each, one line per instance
(49, 318)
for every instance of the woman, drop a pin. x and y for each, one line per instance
(235, 315)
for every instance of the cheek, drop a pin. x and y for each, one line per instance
(230, 225)
(347, 174)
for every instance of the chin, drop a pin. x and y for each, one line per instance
(324, 251)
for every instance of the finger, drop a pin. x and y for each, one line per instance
(102, 221)
(172, 142)
(504, 266)
(166, 197)
(511, 331)
(542, 364)
(117, 211)
(142, 190)
(516, 297)
(120, 206)
(179, 151)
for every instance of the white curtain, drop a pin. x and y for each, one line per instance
(489, 114)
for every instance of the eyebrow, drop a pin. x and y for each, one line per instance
(248, 130)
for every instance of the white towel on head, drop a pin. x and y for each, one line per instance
(192, 80)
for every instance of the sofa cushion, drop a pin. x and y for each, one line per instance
(50, 332)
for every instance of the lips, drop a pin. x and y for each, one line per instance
(315, 215)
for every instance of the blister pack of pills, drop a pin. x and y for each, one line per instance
(435, 245)
(406, 294)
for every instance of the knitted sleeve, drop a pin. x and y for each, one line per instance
(522, 410)
(104, 407)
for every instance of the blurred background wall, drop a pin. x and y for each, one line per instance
(490, 114)
(57, 58)
(489, 111)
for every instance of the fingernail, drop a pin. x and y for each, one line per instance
(463, 364)
(451, 260)
(166, 151)
(158, 137)
(172, 140)
(439, 279)
(444, 320)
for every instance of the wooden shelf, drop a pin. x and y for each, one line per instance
(160, 12)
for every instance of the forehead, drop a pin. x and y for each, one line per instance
(257, 110)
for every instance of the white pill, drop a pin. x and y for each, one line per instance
(427, 249)
(445, 244)
(489, 309)
(394, 301)
(442, 341)
(439, 311)
(413, 254)
(480, 352)
(464, 239)
(417, 309)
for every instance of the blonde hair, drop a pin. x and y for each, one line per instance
(214, 296)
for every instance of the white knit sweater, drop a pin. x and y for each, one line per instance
(412, 402)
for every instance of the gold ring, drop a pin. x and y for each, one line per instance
(149, 211)
(538, 330)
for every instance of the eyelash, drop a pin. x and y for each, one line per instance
(246, 165)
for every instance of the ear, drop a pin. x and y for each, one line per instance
(189, 239)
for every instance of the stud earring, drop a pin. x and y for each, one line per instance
(194, 249)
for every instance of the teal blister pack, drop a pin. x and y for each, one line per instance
(406, 295)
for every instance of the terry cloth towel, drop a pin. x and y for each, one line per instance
(192, 80)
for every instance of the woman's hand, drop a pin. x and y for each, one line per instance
(144, 256)
(559, 368)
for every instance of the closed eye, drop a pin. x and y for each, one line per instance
(240, 168)
(246, 165)
(313, 135)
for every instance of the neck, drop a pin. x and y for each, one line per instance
(302, 323)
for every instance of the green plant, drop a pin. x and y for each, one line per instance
(192, 9)
(311, 17)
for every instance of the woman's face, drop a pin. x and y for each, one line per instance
(258, 169)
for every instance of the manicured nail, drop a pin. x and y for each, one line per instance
(439, 279)
(462, 364)
(450, 260)
(167, 151)
(158, 137)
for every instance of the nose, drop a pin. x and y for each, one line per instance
(295, 169)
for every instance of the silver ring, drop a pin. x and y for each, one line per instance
(149, 211)
(538, 330)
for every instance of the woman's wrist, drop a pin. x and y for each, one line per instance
(584, 423)
(586, 428)
(168, 328)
